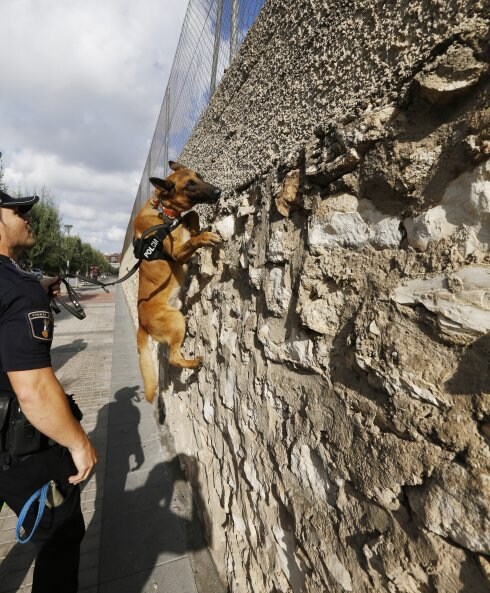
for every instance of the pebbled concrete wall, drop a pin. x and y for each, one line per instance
(341, 420)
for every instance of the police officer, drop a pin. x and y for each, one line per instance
(64, 454)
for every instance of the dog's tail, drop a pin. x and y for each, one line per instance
(146, 365)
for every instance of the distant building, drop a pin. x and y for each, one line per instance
(114, 259)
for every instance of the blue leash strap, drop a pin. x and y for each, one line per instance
(40, 494)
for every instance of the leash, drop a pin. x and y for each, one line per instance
(104, 284)
(40, 495)
(75, 308)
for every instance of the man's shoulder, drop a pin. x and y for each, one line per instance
(8, 278)
(12, 282)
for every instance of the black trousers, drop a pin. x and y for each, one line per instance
(61, 529)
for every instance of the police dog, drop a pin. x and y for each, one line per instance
(160, 281)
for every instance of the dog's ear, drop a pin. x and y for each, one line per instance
(163, 184)
(175, 166)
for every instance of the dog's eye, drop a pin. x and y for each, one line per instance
(190, 184)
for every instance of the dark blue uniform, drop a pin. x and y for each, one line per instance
(26, 333)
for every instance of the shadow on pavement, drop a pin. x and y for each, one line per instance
(60, 355)
(146, 524)
(15, 566)
(143, 520)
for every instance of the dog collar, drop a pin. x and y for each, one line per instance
(168, 212)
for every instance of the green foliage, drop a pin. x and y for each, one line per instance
(72, 250)
(47, 254)
(83, 256)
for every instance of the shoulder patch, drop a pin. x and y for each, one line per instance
(41, 324)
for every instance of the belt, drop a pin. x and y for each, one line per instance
(7, 459)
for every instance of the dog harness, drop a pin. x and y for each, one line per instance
(149, 246)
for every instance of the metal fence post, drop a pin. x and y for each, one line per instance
(217, 39)
(234, 29)
(166, 128)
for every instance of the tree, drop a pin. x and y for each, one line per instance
(77, 257)
(93, 257)
(47, 253)
(72, 248)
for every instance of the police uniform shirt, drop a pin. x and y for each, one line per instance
(26, 323)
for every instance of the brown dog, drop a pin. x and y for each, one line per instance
(160, 281)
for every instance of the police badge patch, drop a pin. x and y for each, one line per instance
(41, 324)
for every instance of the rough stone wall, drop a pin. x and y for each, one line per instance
(341, 420)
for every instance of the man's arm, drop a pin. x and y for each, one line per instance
(43, 401)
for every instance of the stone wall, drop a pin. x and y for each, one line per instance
(341, 420)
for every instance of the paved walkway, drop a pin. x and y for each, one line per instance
(137, 506)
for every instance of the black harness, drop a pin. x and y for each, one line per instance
(149, 246)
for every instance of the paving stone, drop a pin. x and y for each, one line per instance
(173, 577)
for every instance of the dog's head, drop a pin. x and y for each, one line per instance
(183, 188)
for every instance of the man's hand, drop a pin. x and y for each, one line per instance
(84, 458)
(51, 285)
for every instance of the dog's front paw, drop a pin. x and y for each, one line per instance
(208, 239)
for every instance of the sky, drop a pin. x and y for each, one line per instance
(81, 86)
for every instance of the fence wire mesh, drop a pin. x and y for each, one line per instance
(212, 32)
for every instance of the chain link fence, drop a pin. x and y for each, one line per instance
(212, 32)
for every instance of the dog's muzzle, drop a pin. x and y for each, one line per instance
(210, 197)
(216, 193)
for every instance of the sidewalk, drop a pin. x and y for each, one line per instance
(137, 506)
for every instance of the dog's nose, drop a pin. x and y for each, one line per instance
(217, 192)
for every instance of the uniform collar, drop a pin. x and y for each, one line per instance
(7, 259)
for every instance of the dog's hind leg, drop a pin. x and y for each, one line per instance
(169, 328)
(146, 365)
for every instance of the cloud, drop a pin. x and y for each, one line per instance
(116, 233)
(82, 85)
(97, 203)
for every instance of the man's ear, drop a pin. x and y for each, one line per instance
(162, 184)
(175, 166)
